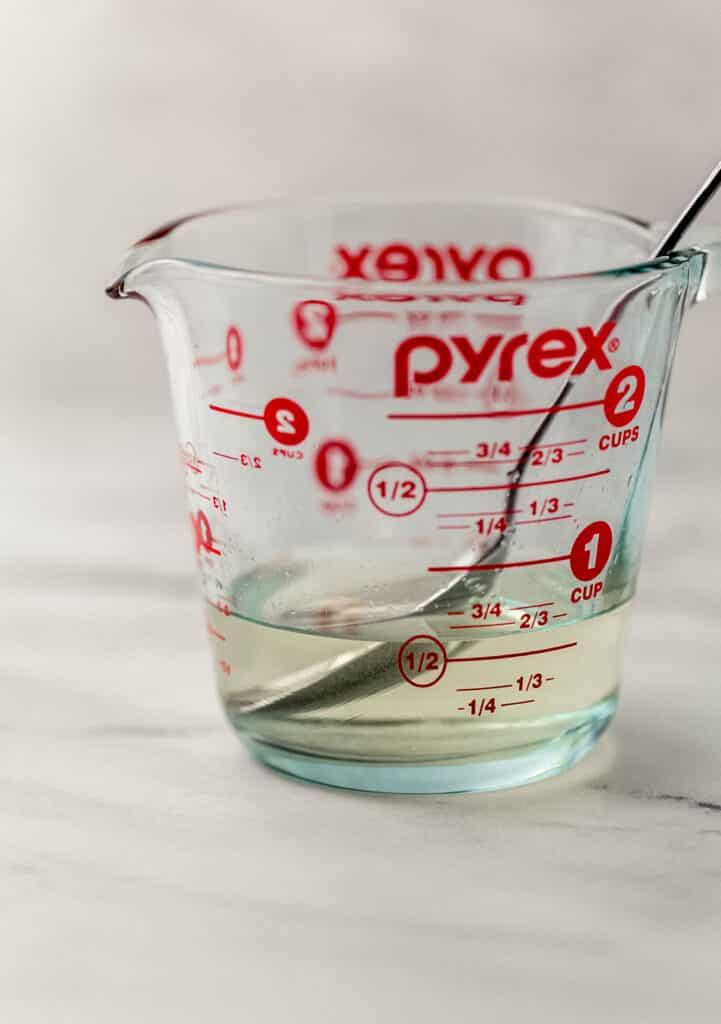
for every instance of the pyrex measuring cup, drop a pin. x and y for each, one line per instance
(418, 439)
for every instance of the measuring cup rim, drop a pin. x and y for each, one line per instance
(140, 255)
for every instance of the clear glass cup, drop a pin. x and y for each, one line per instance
(418, 439)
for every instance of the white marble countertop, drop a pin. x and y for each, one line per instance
(148, 862)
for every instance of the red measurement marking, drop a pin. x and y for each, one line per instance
(200, 495)
(349, 393)
(454, 613)
(548, 519)
(471, 464)
(415, 657)
(513, 703)
(365, 314)
(560, 615)
(450, 527)
(209, 360)
(489, 415)
(464, 515)
(550, 679)
(568, 504)
(396, 489)
(451, 451)
(215, 633)
(518, 654)
(195, 469)
(233, 348)
(485, 625)
(513, 487)
(235, 412)
(314, 322)
(473, 689)
(497, 565)
(569, 454)
(525, 607)
(336, 465)
(591, 550)
(552, 444)
(624, 396)
(222, 455)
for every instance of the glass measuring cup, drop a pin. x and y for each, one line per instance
(418, 439)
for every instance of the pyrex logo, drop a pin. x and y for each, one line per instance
(427, 359)
(402, 262)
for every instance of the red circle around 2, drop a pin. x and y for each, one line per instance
(336, 465)
(286, 421)
(624, 396)
(233, 348)
(397, 489)
(314, 321)
(591, 550)
(414, 656)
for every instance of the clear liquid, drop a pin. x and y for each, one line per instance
(347, 698)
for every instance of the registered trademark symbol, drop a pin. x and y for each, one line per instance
(613, 345)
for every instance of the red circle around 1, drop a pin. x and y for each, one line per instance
(286, 421)
(233, 348)
(591, 550)
(624, 396)
(397, 489)
(336, 464)
(314, 321)
(414, 656)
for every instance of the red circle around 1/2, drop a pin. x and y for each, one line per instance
(314, 321)
(286, 421)
(397, 489)
(422, 660)
(624, 396)
(233, 348)
(591, 550)
(336, 465)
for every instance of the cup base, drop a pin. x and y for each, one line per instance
(527, 764)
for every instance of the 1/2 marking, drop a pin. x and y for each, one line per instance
(422, 660)
(396, 489)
